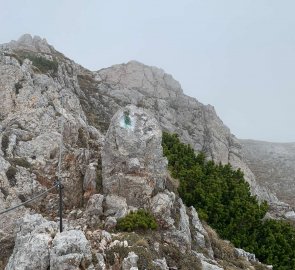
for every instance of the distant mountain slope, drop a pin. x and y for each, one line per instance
(273, 164)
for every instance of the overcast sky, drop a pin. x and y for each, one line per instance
(237, 55)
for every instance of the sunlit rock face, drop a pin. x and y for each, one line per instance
(133, 165)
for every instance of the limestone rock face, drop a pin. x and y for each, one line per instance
(115, 206)
(130, 262)
(94, 209)
(34, 104)
(133, 165)
(161, 206)
(39, 246)
(70, 250)
(32, 246)
(199, 234)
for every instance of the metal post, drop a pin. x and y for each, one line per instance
(60, 205)
(60, 187)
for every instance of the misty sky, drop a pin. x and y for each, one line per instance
(238, 55)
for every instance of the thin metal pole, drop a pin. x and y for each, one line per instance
(60, 206)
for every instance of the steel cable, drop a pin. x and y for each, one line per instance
(32, 199)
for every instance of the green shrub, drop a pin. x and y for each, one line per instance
(222, 197)
(44, 65)
(139, 220)
(10, 173)
(4, 143)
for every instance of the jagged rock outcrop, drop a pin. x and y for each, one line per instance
(274, 167)
(32, 245)
(130, 262)
(47, 98)
(71, 250)
(134, 171)
(28, 43)
(39, 246)
(133, 165)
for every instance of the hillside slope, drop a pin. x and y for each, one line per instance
(273, 164)
(47, 97)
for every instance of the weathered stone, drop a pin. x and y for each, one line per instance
(161, 264)
(110, 223)
(161, 205)
(115, 206)
(39, 246)
(290, 215)
(184, 225)
(208, 266)
(32, 246)
(133, 165)
(100, 262)
(33, 253)
(89, 182)
(242, 253)
(106, 236)
(130, 262)
(199, 234)
(94, 205)
(35, 44)
(70, 250)
(207, 263)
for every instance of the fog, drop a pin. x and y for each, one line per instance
(235, 55)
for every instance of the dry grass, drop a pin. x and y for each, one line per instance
(172, 184)
(224, 252)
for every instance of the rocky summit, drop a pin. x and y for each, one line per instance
(100, 132)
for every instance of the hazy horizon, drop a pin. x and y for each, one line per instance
(235, 55)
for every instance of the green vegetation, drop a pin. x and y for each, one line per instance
(44, 65)
(10, 174)
(222, 198)
(4, 143)
(139, 220)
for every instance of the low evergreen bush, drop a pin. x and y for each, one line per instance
(139, 220)
(222, 198)
(44, 65)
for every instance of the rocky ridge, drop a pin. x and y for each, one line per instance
(41, 102)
